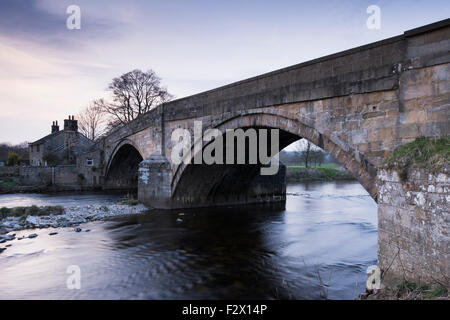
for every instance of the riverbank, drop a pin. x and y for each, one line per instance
(320, 173)
(409, 291)
(33, 217)
(8, 186)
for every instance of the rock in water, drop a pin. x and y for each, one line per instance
(32, 220)
(2, 249)
(10, 237)
(52, 233)
(33, 235)
(77, 229)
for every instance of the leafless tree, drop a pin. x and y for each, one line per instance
(91, 121)
(309, 153)
(304, 150)
(134, 93)
(317, 156)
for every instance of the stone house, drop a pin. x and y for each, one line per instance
(62, 146)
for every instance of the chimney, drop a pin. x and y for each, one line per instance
(71, 124)
(55, 127)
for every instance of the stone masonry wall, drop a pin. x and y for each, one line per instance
(57, 179)
(413, 226)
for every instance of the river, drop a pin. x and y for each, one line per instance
(318, 247)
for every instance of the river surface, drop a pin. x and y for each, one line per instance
(318, 247)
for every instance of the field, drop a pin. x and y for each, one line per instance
(324, 172)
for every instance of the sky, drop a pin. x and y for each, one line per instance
(48, 71)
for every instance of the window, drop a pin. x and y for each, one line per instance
(90, 162)
(38, 148)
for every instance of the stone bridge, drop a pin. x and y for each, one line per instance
(357, 105)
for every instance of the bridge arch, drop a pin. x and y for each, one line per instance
(211, 180)
(122, 168)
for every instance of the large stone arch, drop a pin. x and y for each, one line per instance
(290, 130)
(121, 172)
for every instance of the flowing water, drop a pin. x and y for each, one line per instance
(318, 247)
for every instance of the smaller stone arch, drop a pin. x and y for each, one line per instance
(122, 169)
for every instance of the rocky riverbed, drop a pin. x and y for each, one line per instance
(71, 217)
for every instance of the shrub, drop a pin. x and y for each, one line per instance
(130, 202)
(51, 158)
(430, 153)
(23, 212)
(13, 159)
(4, 212)
(33, 210)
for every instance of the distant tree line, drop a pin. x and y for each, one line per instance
(14, 154)
(307, 154)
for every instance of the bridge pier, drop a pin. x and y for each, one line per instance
(208, 186)
(154, 182)
(413, 228)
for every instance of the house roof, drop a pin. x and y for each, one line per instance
(42, 140)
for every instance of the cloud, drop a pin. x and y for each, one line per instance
(47, 71)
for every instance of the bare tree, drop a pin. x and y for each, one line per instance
(91, 121)
(304, 151)
(134, 93)
(316, 156)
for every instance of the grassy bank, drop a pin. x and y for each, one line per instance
(31, 210)
(412, 291)
(129, 202)
(325, 172)
(428, 153)
(8, 185)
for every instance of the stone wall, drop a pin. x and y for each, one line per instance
(59, 178)
(35, 176)
(7, 171)
(413, 226)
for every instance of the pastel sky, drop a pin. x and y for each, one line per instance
(48, 72)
